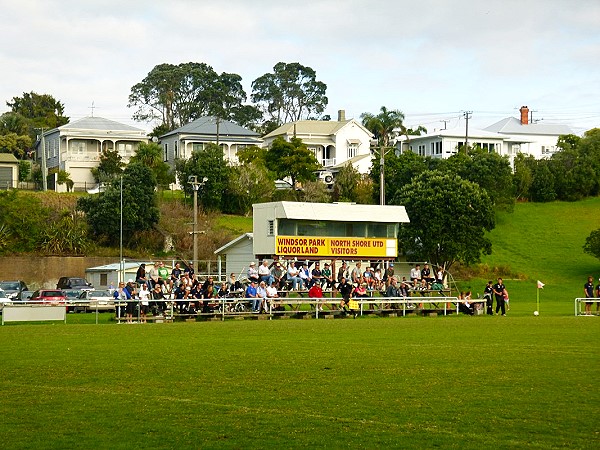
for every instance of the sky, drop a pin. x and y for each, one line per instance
(431, 59)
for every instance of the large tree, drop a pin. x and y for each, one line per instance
(592, 244)
(110, 166)
(292, 160)
(448, 216)
(140, 211)
(42, 110)
(174, 95)
(290, 93)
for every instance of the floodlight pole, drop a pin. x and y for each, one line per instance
(193, 180)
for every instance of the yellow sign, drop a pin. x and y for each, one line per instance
(335, 247)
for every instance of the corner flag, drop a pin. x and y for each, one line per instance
(540, 285)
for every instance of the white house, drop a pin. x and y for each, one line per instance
(334, 143)
(508, 137)
(181, 142)
(520, 136)
(76, 146)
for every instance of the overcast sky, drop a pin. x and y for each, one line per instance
(431, 59)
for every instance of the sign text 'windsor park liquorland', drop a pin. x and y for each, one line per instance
(312, 246)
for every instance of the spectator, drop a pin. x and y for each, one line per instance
(252, 273)
(426, 274)
(144, 296)
(378, 279)
(122, 295)
(388, 274)
(264, 273)
(316, 292)
(316, 275)
(327, 277)
(368, 277)
(140, 275)
(279, 275)
(440, 275)
(357, 274)
(235, 287)
(360, 290)
(488, 291)
(251, 294)
(598, 296)
(343, 272)
(153, 276)
(158, 300)
(163, 273)
(293, 275)
(131, 303)
(305, 276)
(464, 303)
(176, 274)
(415, 274)
(261, 297)
(392, 290)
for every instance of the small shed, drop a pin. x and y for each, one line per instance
(9, 171)
(238, 255)
(103, 277)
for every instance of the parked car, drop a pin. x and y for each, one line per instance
(53, 296)
(102, 300)
(13, 288)
(74, 283)
(72, 297)
(4, 300)
(24, 296)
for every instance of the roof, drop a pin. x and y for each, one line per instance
(512, 125)
(313, 127)
(352, 160)
(474, 133)
(8, 158)
(234, 242)
(100, 124)
(207, 125)
(335, 212)
(115, 267)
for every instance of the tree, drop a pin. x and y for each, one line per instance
(292, 160)
(140, 211)
(110, 166)
(210, 164)
(290, 93)
(399, 171)
(150, 155)
(249, 183)
(448, 216)
(384, 125)
(592, 244)
(41, 110)
(16, 144)
(523, 175)
(346, 184)
(177, 94)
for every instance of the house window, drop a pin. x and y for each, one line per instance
(547, 149)
(438, 148)
(422, 150)
(78, 146)
(352, 150)
(175, 152)
(165, 152)
(197, 147)
(270, 228)
(103, 279)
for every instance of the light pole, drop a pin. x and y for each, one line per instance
(193, 180)
(122, 264)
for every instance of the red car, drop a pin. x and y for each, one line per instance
(52, 296)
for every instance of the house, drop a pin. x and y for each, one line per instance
(334, 143)
(507, 137)
(521, 136)
(9, 171)
(445, 143)
(181, 142)
(76, 146)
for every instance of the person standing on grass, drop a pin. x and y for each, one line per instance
(598, 296)
(122, 295)
(144, 302)
(588, 290)
(488, 291)
(499, 292)
(131, 304)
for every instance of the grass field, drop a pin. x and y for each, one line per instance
(456, 382)
(417, 382)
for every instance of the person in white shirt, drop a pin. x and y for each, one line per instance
(144, 295)
(293, 275)
(415, 274)
(252, 272)
(264, 273)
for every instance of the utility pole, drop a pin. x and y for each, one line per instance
(381, 177)
(218, 121)
(445, 122)
(43, 161)
(467, 116)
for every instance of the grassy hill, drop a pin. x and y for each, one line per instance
(543, 241)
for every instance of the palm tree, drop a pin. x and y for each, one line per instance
(384, 124)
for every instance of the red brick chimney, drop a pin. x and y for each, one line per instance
(524, 115)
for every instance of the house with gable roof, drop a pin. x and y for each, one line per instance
(181, 142)
(76, 146)
(334, 143)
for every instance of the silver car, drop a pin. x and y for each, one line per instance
(101, 300)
